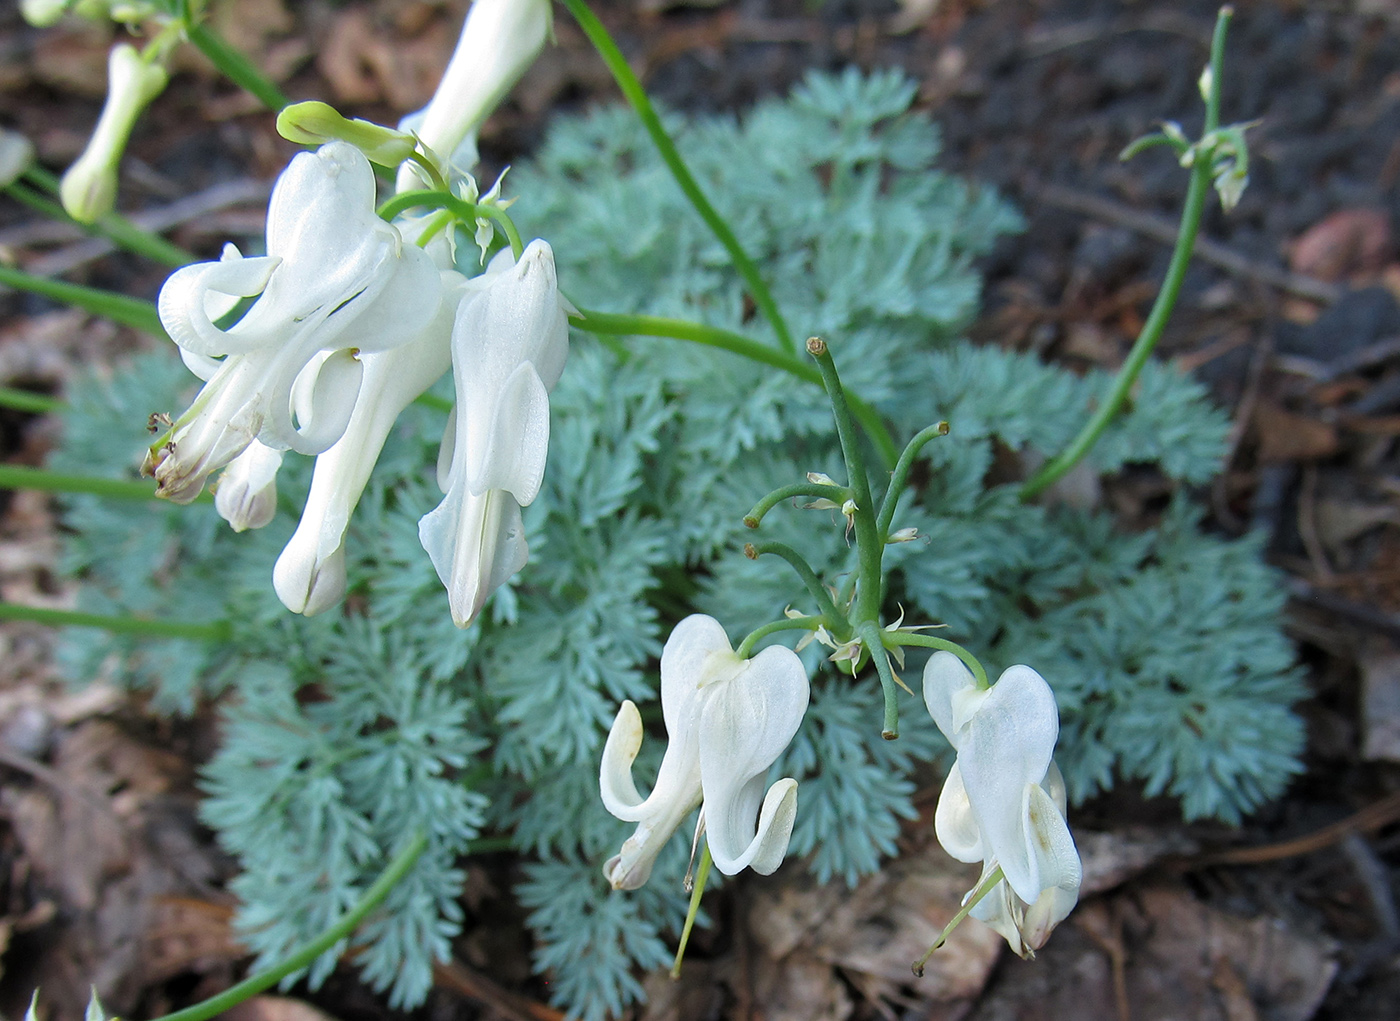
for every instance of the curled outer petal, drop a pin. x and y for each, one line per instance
(676, 794)
(954, 823)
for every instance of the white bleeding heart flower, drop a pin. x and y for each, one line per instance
(309, 576)
(336, 281)
(1003, 803)
(727, 721)
(509, 342)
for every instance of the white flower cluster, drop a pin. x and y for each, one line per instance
(729, 719)
(353, 319)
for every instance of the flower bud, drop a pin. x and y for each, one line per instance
(903, 535)
(246, 494)
(500, 39)
(89, 188)
(316, 123)
(43, 13)
(16, 156)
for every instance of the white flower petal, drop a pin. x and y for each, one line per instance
(945, 676)
(1005, 747)
(476, 543)
(953, 821)
(246, 493)
(765, 852)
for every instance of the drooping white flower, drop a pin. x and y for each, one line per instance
(727, 720)
(89, 187)
(509, 343)
(309, 576)
(246, 493)
(337, 281)
(499, 41)
(1003, 803)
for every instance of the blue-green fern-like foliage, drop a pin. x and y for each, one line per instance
(345, 733)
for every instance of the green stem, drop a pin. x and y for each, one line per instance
(398, 868)
(755, 636)
(1197, 191)
(235, 66)
(467, 212)
(24, 400)
(18, 476)
(929, 642)
(833, 617)
(636, 95)
(622, 324)
(702, 876)
(870, 546)
(218, 631)
(871, 635)
(118, 307)
(899, 478)
(978, 892)
(113, 226)
(836, 494)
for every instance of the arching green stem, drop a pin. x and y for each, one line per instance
(836, 494)
(636, 95)
(217, 631)
(930, 642)
(1197, 191)
(25, 400)
(829, 613)
(113, 226)
(19, 476)
(625, 325)
(465, 211)
(745, 649)
(404, 860)
(899, 478)
(118, 307)
(234, 65)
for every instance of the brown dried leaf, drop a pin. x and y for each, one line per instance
(1284, 436)
(1346, 244)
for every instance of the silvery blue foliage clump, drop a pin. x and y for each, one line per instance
(345, 732)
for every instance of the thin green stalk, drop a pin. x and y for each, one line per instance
(870, 546)
(235, 66)
(406, 858)
(18, 476)
(836, 494)
(636, 95)
(929, 642)
(113, 226)
(622, 324)
(798, 563)
(757, 635)
(467, 212)
(24, 400)
(118, 307)
(702, 876)
(899, 478)
(870, 634)
(1197, 191)
(217, 631)
(978, 892)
